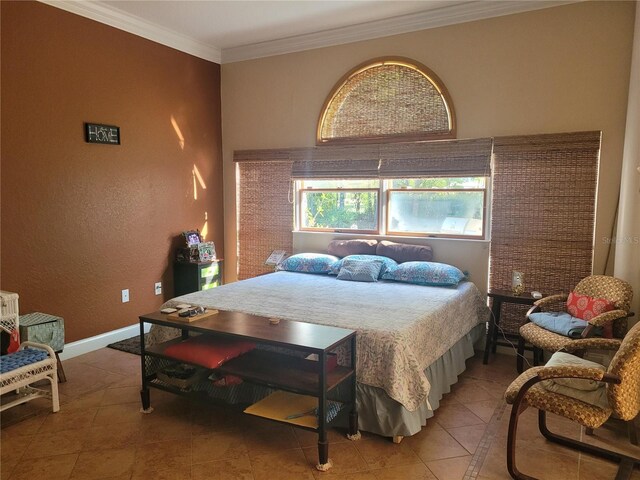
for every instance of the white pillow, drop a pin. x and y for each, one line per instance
(588, 391)
(562, 359)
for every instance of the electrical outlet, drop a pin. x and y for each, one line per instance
(158, 288)
(125, 295)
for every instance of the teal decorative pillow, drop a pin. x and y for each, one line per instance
(360, 270)
(308, 263)
(387, 263)
(425, 273)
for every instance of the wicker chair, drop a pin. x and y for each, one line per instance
(29, 371)
(622, 380)
(613, 289)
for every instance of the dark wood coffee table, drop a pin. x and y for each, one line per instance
(285, 372)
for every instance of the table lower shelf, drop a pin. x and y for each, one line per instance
(265, 367)
(280, 404)
(273, 405)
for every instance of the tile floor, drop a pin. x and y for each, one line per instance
(99, 433)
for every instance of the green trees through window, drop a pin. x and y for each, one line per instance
(344, 210)
(419, 206)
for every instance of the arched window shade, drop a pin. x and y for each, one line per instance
(388, 100)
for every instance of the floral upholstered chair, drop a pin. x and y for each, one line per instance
(617, 292)
(620, 388)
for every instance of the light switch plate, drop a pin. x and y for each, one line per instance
(158, 288)
(125, 295)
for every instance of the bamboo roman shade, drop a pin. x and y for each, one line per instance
(390, 98)
(470, 158)
(543, 212)
(265, 215)
(446, 158)
(348, 161)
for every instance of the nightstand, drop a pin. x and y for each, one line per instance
(193, 277)
(498, 298)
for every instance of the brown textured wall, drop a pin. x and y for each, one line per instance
(80, 222)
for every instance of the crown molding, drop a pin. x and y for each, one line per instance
(439, 17)
(139, 27)
(446, 15)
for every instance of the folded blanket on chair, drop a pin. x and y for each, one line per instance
(560, 322)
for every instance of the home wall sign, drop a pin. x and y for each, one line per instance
(98, 133)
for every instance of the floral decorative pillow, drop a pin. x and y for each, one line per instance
(425, 273)
(586, 308)
(387, 263)
(360, 270)
(308, 263)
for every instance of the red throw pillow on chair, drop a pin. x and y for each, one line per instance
(586, 308)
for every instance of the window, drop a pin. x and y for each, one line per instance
(339, 205)
(399, 184)
(443, 207)
(387, 99)
(437, 206)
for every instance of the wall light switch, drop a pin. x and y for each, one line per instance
(158, 288)
(125, 295)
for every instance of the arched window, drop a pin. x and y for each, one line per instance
(388, 99)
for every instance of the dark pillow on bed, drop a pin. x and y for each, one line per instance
(402, 252)
(359, 246)
(360, 270)
(426, 273)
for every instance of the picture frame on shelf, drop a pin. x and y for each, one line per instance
(192, 237)
(206, 251)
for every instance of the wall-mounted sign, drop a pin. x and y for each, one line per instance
(97, 133)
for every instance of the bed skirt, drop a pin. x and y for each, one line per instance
(378, 413)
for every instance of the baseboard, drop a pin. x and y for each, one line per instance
(90, 344)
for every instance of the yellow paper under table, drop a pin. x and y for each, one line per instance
(280, 405)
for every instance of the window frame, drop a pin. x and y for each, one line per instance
(389, 191)
(300, 192)
(384, 198)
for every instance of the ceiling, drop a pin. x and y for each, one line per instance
(229, 31)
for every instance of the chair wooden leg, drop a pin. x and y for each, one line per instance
(625, 470)
(516, 409)
(536, 356)
(626, 463)
(520, 359)
(633, 431)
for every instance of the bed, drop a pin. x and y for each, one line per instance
(412, 340)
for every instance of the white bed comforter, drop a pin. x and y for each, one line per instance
(401, 328)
